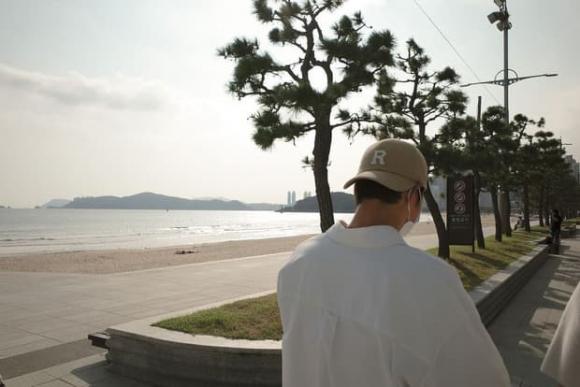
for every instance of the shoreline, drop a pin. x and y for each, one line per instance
(127, 260)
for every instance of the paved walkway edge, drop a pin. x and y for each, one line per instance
(494, 294)
(156, 355)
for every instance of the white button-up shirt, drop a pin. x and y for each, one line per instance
(360, 307)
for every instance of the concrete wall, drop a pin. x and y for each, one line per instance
(169, 363)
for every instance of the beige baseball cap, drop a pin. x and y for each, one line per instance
(395, 164)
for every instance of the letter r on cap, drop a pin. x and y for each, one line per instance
(379, 157)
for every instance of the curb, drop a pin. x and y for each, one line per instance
(161, 357)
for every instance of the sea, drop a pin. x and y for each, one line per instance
(25, 231)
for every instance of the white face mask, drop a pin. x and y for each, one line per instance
(410, 223)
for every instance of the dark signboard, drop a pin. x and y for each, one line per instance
(460, 214)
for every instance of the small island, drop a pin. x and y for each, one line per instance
(342, 202)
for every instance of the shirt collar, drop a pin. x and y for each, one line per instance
(368, 237)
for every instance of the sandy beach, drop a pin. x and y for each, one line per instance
(123, 260)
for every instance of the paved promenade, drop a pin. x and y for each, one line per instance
(41, 310)
(46, 317)
(525, 328)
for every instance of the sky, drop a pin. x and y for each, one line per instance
(116, 97)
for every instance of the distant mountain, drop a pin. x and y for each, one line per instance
(152, 201)
(264, 206)
(56, 203)
(212, 198)
(341, 201)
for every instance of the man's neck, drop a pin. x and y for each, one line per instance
(376, 213)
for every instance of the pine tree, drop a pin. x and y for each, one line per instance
(413, 101)
(289, 105)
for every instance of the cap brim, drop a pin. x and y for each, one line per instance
(390, 180)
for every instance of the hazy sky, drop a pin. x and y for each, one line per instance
(119, 97)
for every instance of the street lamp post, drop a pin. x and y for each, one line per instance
(506, 87)
(502, 20)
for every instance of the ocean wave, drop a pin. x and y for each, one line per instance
(27, 239)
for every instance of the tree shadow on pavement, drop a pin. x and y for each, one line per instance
(523, 331)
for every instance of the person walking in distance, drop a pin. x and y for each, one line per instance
(360, 307)
(555, 228)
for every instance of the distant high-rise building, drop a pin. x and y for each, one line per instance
(289, 201)
(293, 197)
(574, 167)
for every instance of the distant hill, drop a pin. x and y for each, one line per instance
(152, 201)
(56, 203)
(342, 202)
(264, 206)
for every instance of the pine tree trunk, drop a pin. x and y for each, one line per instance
(527, 208)
(508, 214)
(322, 143)
(478, 227)
(496, 213)
(443, 250)
(541, 207)
(547, 205)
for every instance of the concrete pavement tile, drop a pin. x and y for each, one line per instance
(109, 322)
(55, 383)
(23, 339)
(42, 324)
(146, 313)
(90, 317)
(63, 369)
(21, 315)
(66, 310)
(72, 380)
(41, 343)
(73, 333)
(28, 380)
(88, 374)
(8, 333)
(118, 381)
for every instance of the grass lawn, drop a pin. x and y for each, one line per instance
(253, 319)
(258, 318)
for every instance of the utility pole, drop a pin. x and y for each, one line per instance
(506, 85)
(502, 20)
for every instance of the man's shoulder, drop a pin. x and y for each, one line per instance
(425, 262)
(392, 257)
(310, 244)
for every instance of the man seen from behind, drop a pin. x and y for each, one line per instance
(360, 307)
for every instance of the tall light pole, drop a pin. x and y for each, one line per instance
(501, 19)
(505, 25)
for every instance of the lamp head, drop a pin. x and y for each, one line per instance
(495, 17)
(504, 25)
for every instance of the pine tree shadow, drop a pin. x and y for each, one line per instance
(492, 262)
(469, 277)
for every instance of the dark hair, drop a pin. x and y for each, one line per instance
(555, 211)
(368, 189)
